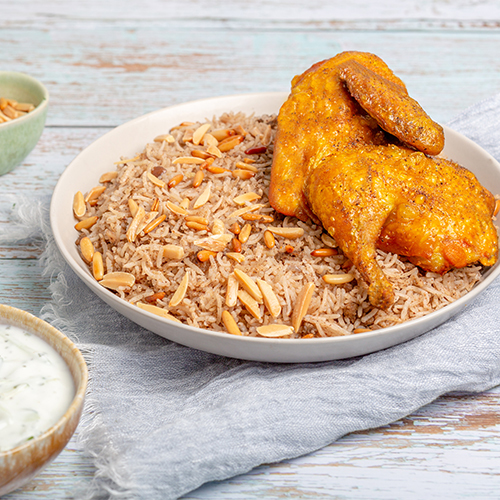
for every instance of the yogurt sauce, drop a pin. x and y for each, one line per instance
(36, 387)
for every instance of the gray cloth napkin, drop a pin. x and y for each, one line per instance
(162, 419)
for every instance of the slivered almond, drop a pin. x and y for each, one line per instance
(243, 174)
(133, 207)
(176, 179)
(155, 180)
(231, 291)
(203, 198)
(117, 279)
(230, 323)
(214, 150)
(244, 210)
(165, 138)
(246, 166)
(87, 249)
(176, 209)
(249, 285)
(196, 226)
(108, 176)
(155, 205)
(275, 330)
(223, 133)
(173, 252)
(204, 255)
(235, 228)
(215, 243)
(245, 233)
(97, 266)
(188, 135)
(251, 305)
(302, 305)
(236, 245)
(127, 160)
(232, 137)
(246, 198)
(151, 299)
(198, 219)
(207, 163)
(79, 207)
(252, 217)
(218, 227)
(269, 239)
(24, 106)
(209, 140)
(188, 159)
(214, 169)
(338, 279)
(238, 257)
(134, 225)
(240, 130)
(361, 330)
(86, 223)
(149, 217)
(200, 154)
(10, 112)
(287, 232)
(230, 143)
(157, 310)
(180, 293)
(200, 132)
(324, 252)
(270, 300)
(154, 224)
(184, 204)
(182, 125)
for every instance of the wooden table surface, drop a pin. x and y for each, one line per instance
(105, 63)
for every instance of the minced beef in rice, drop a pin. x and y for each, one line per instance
(287, 267)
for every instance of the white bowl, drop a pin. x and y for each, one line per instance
(127, 139)
(20, 464)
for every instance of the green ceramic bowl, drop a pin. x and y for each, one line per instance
(19, 136)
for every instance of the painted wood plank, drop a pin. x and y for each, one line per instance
(454, 457)
(257, 9)
(120, 72)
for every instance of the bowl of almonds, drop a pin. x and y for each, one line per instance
(23, 110)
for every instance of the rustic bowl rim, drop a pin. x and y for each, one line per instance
(18, 317)
(39, 109)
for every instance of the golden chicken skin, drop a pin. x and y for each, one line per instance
(353, 151)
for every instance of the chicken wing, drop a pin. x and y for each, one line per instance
(353, 151)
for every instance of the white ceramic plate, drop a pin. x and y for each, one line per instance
(127, 139)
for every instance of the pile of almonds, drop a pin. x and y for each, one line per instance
(11, 109)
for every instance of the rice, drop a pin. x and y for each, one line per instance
(288, 267)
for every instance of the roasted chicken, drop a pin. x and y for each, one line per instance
(357, 153)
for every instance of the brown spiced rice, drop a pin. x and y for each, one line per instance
(185, 230)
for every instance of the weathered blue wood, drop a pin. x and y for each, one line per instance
(121, 72)
(108, 62)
